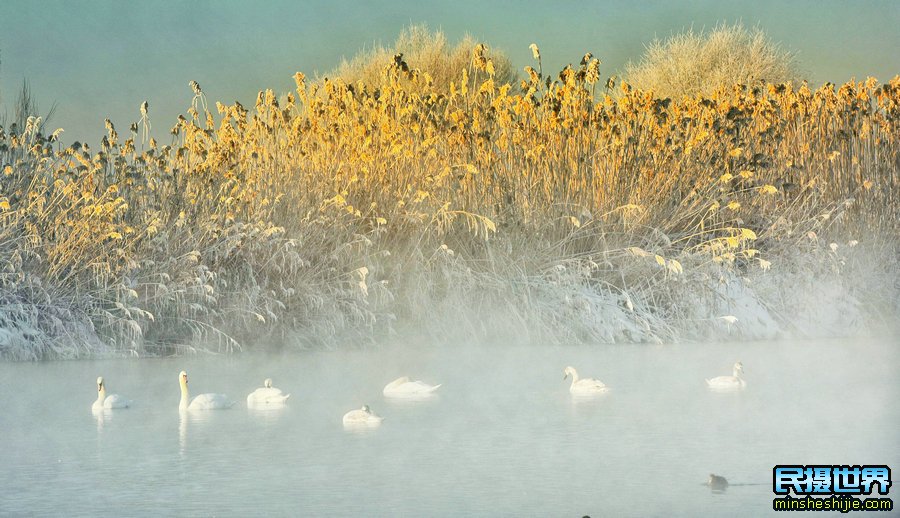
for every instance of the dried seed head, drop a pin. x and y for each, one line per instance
(592, 75)
(478, 56)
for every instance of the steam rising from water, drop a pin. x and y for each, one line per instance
(503, 414)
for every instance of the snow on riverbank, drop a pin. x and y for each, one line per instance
(821, 290)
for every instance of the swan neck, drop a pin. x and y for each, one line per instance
(101, 395)
(184, 395)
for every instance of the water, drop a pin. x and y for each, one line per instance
(504, 436)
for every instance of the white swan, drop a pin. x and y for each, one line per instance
(403, 387)
(362, 416)
(203, 401)
(109, 402)
(584, 386)
(267, 395)
(735, 381)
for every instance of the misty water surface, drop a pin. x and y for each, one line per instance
(504, 436)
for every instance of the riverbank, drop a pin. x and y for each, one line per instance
(347, 215)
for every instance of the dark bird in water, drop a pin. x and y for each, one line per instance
(717, 483)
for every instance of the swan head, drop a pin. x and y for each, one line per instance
(182, 378)
(570, 371)
(365, 408)
(738, 368)
(100, 383)
(268, 383)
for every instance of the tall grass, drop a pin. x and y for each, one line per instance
(348, 213)
(697, 63)
(425, 51)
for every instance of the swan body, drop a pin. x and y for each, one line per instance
(203, 401)
(733, 382)
(267, 395)
(362, 417)
(584, 386)
(109, 402)
(403, 387)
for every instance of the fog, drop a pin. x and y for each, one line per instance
(502, 435)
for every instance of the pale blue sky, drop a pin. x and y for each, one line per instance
(100, 59)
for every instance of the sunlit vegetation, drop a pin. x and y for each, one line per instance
(697, 62)
(427, 51)
(349, 212)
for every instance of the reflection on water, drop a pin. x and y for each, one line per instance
(412, 400)
(362, 428)
(589, 398)
(100, 415)
(267, 412)
(502, 436)
(199, 425)
(182, 430)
